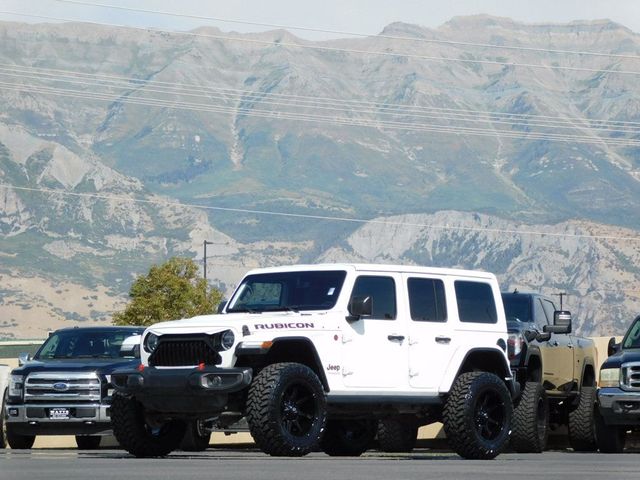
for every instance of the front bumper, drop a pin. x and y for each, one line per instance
(619, 407)
(182, 390)
(34, 419)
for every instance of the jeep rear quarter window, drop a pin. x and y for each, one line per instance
(427, 300)
(475, 302)
(382, 291)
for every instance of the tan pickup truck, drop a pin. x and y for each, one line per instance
(556, 373)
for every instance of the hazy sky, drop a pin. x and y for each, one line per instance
(361, 16)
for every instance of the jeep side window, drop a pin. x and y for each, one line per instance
(382, 291)
(427, 300)
(475, 302)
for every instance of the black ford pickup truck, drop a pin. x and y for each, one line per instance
(65, 389)
(619, 392)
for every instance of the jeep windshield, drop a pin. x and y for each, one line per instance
(288, 291)
(90, 343)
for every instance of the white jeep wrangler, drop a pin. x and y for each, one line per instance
(319, 355)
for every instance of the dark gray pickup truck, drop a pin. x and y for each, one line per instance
(65, 389)
(619, 392)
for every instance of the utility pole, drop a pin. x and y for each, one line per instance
(204, 257)
(561, 295)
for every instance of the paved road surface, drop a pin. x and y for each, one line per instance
(251, 464)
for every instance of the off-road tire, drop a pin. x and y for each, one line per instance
(609, 438)
(135, 436)
(582, 435)
(397, 435)
(477, 415)
(195, 438)
(531, 420)
(88, 442)
(348, 438)
(286, 410)
(17, 441)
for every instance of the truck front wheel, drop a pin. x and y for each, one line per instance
(582, 435)
(477, 415)
(397, 435)
(348, 437)
(196, 438)
(609, 438)
(139, 436)
(88, 442)
(531, 420)
(17, 441)
(286, 410)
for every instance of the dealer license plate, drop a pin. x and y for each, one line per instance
(59, 413)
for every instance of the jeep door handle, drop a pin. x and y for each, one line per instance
(443, 340)
(395, 338)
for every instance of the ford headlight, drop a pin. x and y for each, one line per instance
(609, 377)
(16, 385)
(151, 342)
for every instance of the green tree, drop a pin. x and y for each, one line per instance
(169, 291)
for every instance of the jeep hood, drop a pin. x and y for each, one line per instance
(211, 324)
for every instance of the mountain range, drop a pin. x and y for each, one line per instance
(122, 147)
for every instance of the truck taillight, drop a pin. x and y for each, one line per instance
(514, 345)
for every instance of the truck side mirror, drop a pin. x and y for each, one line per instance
(23, 358)
(221, 306)
(359, 306)
(561, 322)
(612, 347)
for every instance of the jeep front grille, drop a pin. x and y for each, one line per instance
(52, 387)
(630, 376)
(174, 352)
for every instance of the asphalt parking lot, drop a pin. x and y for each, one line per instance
(71, 464)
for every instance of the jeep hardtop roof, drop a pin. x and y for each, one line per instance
(365, 267)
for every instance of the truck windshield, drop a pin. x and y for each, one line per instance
(288, 291)
(516, 308)
(632, 338)
(109, 344)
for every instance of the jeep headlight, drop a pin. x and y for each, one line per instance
(16, 385)
(151, 342)
(225, 340)
(609, 377)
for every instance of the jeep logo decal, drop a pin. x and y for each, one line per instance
(271, 326)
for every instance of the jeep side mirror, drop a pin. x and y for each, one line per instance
(23, 358)
(561, 322)
(221, 306)
(612, 347)
(359, 306)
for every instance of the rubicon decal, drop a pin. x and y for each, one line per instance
(271, 326)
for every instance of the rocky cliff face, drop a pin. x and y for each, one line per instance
(129, 122)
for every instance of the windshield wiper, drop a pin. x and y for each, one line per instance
(286, 308)
(243, 310)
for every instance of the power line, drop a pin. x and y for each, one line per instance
(311, 101)
(275, 114)
(279, 44)
(208, 93)
(318, 217)
(354, 34)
